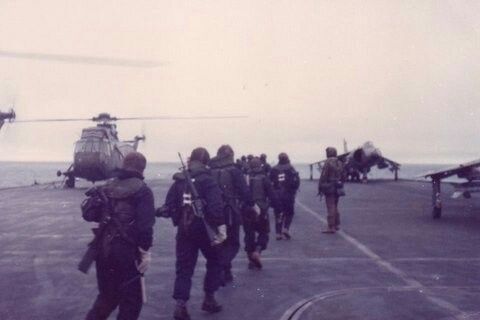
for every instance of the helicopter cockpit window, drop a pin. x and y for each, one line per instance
(96, 146)
(80, 146)
(105, 148)
(88, 146)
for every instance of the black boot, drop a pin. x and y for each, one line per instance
(286, 234)
(181, 312)
(251, 264)
(210, 304)
(256, 259)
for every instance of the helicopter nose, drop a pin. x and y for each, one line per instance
(89, 165)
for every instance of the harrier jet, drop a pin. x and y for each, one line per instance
(359, 162)
(469, 171)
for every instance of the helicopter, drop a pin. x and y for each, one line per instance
(10, 116)
(99, 153)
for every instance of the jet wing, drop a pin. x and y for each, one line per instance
(459, 170)
(391, 163)
(343, 157)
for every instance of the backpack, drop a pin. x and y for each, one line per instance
(288, 179)
(224, 179)
(257, 188)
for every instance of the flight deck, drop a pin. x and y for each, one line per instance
(390, 260)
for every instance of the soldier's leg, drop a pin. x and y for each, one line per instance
(289, 211)
(102, 308)
(129, 288)
(212, 277)
(107, 298)
(186, 259)
(280, 218)
(249, 238)
(331, 210)
(131, 301)
(337, 214)
(263, 231)
(232, 244)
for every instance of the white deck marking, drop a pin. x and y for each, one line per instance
(382, 263)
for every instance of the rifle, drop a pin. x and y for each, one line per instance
(198, 205)
(92, 252)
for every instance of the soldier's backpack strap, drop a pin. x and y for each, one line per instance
(117, 192)
(121, 189)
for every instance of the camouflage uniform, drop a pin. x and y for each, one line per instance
(332, 173)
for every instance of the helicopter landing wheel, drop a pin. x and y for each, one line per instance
(70, 182)
(437, 213)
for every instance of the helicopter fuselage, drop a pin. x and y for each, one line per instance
(98, 154)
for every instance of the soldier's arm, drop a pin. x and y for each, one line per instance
(173, 201)
(145, 218)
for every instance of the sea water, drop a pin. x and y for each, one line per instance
(15, 174)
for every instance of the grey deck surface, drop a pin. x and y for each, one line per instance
(391, 261)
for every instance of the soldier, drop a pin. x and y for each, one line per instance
(192, 233)
(331, 186)
(266, 167)
(256, 222)
(243, 165)
(235, 195)
(286, 182)
(123, 255)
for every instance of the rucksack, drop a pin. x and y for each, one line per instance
(288, 179)
(257, 187)
(224, 179)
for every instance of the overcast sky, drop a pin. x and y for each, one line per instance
(403, 74)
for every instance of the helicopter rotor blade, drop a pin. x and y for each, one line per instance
(184, 117)
(113, 119)
(52, 120)
(78, 59)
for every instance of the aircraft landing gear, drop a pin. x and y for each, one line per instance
(70, 182)
(436, 199)
(436, 213)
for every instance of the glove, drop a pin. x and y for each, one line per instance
(163, 212)
(221, 235)
(144, 261)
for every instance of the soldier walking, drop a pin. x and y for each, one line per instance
(194, 232)
(331, 186)
(235, 195)
(122, 256)
(256, 222)
(266, 167)
(286, 182)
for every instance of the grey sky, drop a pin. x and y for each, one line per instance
(404, 74)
